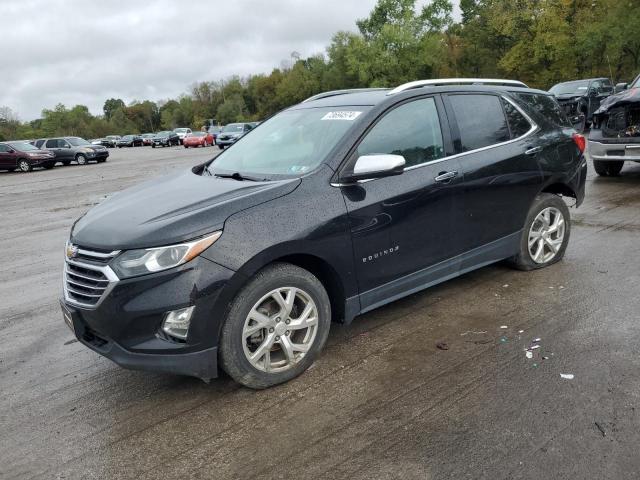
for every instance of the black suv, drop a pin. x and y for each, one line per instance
(70, 149)
(165, 139)
(331, 208)
(581, 98)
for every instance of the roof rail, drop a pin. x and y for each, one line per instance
(335, 93)
(457, 81)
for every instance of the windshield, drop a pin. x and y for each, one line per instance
(233, 127)
(163, 134)
(198, 134)
(569, 88)
(181, 130)
(23, 147)
(77, 142)
(291, 143)
(127, 137)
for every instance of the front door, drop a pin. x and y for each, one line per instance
(404, 228)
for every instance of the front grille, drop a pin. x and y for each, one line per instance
(87, 277)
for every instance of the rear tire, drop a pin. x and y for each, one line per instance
(606, 168)
(539, 235)
(280, 340)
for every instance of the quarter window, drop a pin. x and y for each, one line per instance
(546, 106)
(480, 119)
(411, 130)
(4, 148)
(518, 125)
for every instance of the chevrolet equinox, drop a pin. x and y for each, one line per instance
(331, 208)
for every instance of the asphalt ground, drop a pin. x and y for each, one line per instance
(383, 401)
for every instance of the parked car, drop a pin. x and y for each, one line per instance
(111, 141)
(182, 133)
(130, 141)
(615, 134)
(198, 139)
(214, 131)
(231, 133)
(147, 138)
(581, 98)
(24, 157)
(70, 149)
(165, 139)
(96, 141)
(330, 209)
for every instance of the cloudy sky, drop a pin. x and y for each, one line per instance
(85, 51)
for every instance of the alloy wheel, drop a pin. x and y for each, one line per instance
(24, 166)
(280, 329)
(546, 235)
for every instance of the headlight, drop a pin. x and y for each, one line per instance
(141, 262)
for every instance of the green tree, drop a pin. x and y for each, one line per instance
(111, 105)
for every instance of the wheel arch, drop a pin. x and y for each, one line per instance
(560, 188)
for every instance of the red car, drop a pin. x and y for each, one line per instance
(198, 139)
(23, 156)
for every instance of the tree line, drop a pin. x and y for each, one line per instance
(540, 42)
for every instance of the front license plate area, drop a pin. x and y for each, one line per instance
(68, 318)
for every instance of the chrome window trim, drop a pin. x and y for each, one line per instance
(534, 128)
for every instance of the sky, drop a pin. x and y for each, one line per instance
(86, 51)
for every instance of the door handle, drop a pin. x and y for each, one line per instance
(445, 176)
(533, 150)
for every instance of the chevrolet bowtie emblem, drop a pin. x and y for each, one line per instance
(72, 250)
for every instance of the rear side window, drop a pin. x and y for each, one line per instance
(52, 143)
(480, 119)
(3, 148)
(518, 125)
(39, 143)
(411, 130)
(546, 106)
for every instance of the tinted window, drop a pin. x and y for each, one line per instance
(411, 130)
(3, 148)
(546, 106)
(52, 143)
(39, 143)
(518, 125)
(480, 119)
(62, 143)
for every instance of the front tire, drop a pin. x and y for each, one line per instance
(276, 327)
(81, 159)
(608, 168)
(24, 166)
(545, 235)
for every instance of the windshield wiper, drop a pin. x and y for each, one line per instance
(238, 176)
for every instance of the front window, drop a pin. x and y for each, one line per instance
(199, 134)
(233, 128)
(571, 88)
(77, 142)
(292, 143)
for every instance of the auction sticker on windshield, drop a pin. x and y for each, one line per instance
(349, 116)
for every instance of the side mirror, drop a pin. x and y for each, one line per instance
(376, 166)
(621, 87)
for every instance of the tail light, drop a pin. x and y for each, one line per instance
(581, 142)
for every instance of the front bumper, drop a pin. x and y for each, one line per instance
(614, 151)
(226, 142)
(125, 325)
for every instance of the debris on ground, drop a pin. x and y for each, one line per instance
(442, 346)
(567, 376)
(472, 332)
(601, 428)
(504, 326)
(503, 339)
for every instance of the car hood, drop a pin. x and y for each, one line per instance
(230, 134)
(171, 209)
(621, 99)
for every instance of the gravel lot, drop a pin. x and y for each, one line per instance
(382, 402)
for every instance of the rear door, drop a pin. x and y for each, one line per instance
(498, 152)
(404, 228)
(7, 160)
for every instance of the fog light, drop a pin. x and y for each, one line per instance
(176, 323)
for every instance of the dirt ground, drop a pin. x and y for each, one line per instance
(382, 401)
